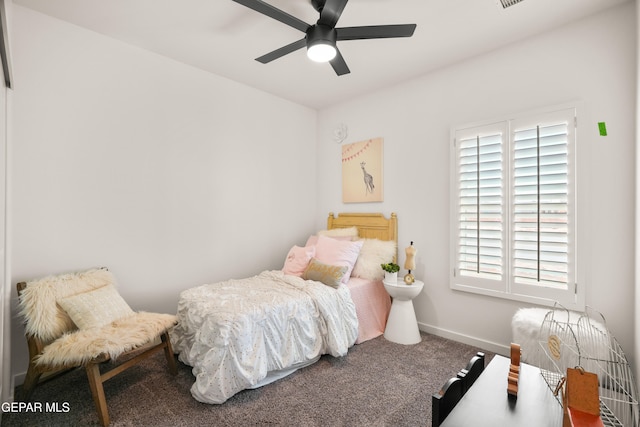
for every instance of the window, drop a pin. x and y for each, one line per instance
(514, 200)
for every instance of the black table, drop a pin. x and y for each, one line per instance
(487, 404)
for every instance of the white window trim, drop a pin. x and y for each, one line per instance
(572, 298)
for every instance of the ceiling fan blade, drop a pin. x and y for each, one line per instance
(339, 65)
(331, 12)
(275, 13)
(375, 32)
(282, 51)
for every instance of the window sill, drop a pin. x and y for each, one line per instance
(541, 301)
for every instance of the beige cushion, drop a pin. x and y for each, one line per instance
(96, 308)
(330, 275)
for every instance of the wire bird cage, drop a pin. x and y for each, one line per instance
(568, 339)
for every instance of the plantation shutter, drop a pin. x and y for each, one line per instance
(513, 196)
(540, 205)
(481, 206)
(480, 186)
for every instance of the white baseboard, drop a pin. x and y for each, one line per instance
(18, 379)
(465, 339)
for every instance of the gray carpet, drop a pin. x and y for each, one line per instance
(378, 383)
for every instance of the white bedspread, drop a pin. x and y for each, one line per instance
(233, 333)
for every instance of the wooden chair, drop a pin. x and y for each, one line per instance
(56, 344)
(470, 374)
(443, 402)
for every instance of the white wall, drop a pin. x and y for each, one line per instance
(637, 223)
(6, 389)
(593, 62)
(170, 176)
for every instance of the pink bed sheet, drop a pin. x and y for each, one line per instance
(372, 307)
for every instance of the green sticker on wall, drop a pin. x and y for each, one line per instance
(603, 128)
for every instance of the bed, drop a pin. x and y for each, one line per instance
(245, 333)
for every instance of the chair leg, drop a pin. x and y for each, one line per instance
(30, 382)
(168, 352)
(97, 391)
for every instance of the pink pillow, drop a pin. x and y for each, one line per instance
(338, 252)
(298, 259)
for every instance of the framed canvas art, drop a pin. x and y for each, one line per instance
(362, 171)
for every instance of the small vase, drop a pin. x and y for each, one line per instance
(391, 277)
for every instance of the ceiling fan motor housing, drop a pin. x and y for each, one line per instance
(321, 34)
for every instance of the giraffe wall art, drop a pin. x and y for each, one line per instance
(362, 178)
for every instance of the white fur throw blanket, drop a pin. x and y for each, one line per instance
(525, 329)
(77, 348)
(38, 302)
(67, 345)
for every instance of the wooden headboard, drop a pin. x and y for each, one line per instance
(370, 225)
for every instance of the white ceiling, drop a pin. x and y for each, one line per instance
(224, 37)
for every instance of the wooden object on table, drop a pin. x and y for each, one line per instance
(514, 371)
(581, 400)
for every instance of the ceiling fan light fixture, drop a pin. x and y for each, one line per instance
(321, 43)
(321, 52)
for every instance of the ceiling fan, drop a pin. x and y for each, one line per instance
(321, 37)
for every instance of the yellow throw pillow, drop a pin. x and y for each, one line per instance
(330, 275)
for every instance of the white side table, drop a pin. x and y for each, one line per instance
(402, 325)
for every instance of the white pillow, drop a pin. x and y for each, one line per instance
(96, 308)
(373, 253)
(340, 232)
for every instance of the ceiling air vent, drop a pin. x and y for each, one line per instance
(507, 3)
